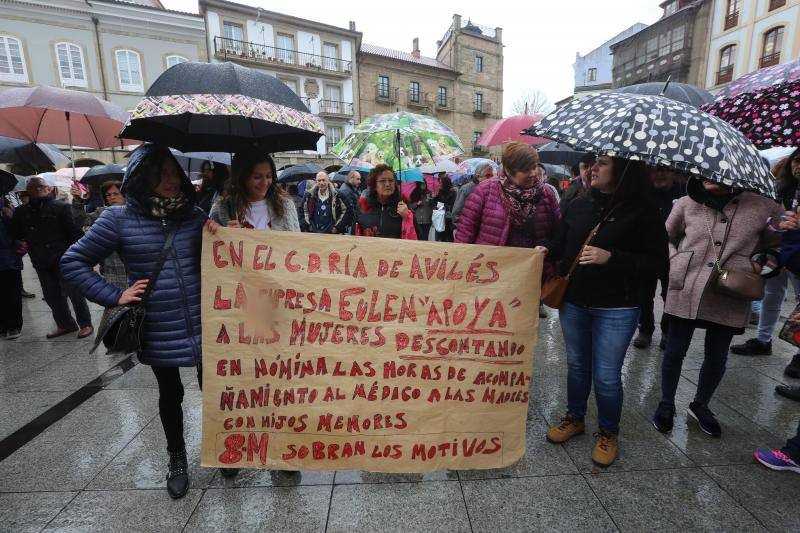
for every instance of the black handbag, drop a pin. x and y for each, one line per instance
(121, 328)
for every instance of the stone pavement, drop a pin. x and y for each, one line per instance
(101, 466)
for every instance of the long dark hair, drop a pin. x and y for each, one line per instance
(241, 168)
(787, 183)
(633, 181)
(416, 194)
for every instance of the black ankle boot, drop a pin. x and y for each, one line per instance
(229, 472)
(178, 475)
(793, 369)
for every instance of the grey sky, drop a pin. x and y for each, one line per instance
(541, 36)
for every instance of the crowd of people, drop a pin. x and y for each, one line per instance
(617, 231)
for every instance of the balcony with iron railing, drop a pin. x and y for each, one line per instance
(335, 108)
(417, 99)
(725, 75)
(329, 146)
(233, 49)
(732, 20)
(768, 60)
(386, 94)
(481, 109)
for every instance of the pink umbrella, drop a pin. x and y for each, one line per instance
(60, 116)
(510, 129)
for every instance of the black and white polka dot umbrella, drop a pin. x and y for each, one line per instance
(660, 132)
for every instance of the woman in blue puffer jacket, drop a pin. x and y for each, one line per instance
(159, 197)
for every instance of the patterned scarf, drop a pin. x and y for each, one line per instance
(520, 202)
(168, 207)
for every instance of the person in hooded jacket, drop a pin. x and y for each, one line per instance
(714, 227)
(160, 199)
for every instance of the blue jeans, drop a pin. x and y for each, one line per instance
(792, 448)
(717, 342)
(596, 341)
(770, 306)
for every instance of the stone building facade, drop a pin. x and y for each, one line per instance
(114, 49)
(315, 60)
(462, 86)
(674, 47)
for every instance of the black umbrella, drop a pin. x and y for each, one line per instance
(295, 173)
(8, 182)
(36, 155)
(555, 153)
(680, 92)
(102, 173)
(222, 107)
(660, 132)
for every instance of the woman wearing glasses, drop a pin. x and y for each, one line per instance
(382, 211)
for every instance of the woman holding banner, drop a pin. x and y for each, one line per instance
(382, 211)
(160, 219)
(616, 240)
(513, 209)
(252, 200)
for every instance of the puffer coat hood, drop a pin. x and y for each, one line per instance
(142, 175)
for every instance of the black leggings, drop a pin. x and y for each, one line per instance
(170, 400)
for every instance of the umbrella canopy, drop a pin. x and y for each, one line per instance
(410, 175)
(556, 170)
(468, 166)
(764, 105)
(510, 129)
(36, 155)
(445, 165)
(60, 116)
(223, 107)
(79, 172)
(306, 171)
(660, 132)
(401, 140)
(340, 176)
(556, 153)
(680, 92)
(193, 161)
(102, 173)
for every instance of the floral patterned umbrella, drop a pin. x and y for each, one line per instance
(222, 107)
(401, 140)
(764, 105)
(660, 132)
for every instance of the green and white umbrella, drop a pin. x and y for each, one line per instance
(401, 140)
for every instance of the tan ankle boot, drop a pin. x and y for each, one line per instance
(606, 447)
(568, 428)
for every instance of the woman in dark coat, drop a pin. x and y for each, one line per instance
(160, 199)
(447, 196)
(382, 211)
(600, 311)
(421, 203)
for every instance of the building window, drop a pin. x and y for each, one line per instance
(592, 74)
(475, 136)
(175, 60)
(234, 37)
(12, 61)
(479, 102)
(129, 69)
(664, 43)
(413, 91)
(70, 65)
(286, 48)
(727, 56)
(478, 63)
(292, 84)
(678, 35)
(331, 53)
(333, 134)
(383, 86)
(670, 8)
(732, 14)
(441, 97)
(333, 99)
(773, 42)
(775, 4)
(651, 50)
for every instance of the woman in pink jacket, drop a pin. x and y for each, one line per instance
(513, 209)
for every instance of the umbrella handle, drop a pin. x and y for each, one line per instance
(71, 149)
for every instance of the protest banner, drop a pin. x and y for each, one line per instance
(329, 352)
